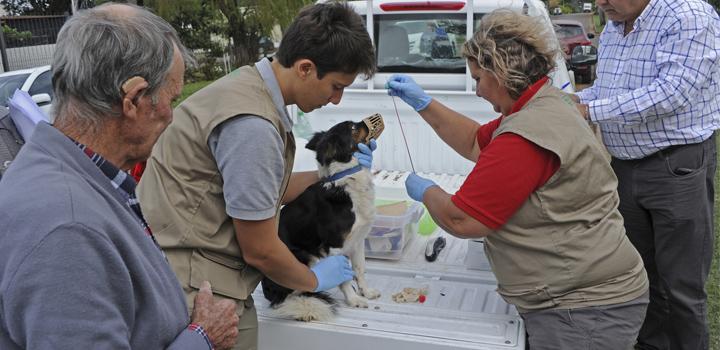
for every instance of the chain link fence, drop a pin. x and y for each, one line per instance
(28, 41)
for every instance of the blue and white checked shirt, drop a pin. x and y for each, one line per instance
(658, 86)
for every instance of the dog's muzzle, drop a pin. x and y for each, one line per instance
(375, 125)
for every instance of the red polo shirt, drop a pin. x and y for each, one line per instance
(508, 170)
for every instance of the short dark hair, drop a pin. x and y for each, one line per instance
(333, 36)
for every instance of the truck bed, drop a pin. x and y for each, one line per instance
(462, 309)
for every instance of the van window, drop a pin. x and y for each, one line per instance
(420, 43)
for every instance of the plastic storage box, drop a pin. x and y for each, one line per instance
(393, 226)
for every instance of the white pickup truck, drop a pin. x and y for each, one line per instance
(461, 309)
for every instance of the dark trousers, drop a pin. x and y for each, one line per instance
(606, 327)
(667, 202)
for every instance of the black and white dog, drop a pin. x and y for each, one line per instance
(331, 217)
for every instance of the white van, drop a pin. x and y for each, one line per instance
(423, 40)
(587, 7)
(462, 309)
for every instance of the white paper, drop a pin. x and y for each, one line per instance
(25, 113)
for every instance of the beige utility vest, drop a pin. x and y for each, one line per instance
(566, 246)
(181, 191)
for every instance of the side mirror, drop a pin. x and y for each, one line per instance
(591, 35)
(583, 55)
(41, 99)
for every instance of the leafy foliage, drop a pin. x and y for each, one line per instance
(241, 22)
(40, 7)
(14, 34)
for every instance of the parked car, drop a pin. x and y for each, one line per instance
(37, 82)
(587, 7)
(266, 46)
(557, 11)
(571, 34)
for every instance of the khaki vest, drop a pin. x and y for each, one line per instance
(566, 246)
(181, 191)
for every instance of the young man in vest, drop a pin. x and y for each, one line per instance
(215, 181)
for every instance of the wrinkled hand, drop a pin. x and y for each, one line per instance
(217, 317)
(332, 271)
(584, 110)
(575, 98)
(416, 186)
(364, 154)
(408, 90)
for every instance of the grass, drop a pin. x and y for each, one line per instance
(598, 27)
(713, 284)
(190, 89)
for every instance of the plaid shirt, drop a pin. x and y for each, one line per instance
(122, 182)
(658, 86)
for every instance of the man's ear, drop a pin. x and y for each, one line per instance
(132, 88)
(312, 144)
(304, 68)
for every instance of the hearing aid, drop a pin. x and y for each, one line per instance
(131, 83)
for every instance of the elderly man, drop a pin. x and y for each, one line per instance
(656, 100)
(80, 267)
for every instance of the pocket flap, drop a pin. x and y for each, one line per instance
(224, 274)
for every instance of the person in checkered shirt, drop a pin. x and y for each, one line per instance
(656, 101)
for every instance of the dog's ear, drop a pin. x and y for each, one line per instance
(312, 144)
(337, 147)
(328, 151)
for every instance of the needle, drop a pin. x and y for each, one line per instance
(407, 148)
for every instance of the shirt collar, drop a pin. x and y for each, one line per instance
(619, 26)
(528, 94)
(267, 75)
(119, 179)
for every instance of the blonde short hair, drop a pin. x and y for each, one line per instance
(513, 47)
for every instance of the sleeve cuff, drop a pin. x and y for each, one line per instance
(196, 328)
(476, 214)
(251, 215)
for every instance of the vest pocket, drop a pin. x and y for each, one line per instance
(224, 273)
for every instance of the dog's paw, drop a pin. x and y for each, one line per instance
(357, 301)
(370, 293)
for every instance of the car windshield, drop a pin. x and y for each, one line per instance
(9, 84)
(565, 31)
(422, 43)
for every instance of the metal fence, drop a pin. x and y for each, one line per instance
(29, 41)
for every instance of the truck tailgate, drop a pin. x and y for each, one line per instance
(461, 311)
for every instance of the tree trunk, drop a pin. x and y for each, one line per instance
(245, 46)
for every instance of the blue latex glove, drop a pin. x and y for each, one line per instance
(332, 271)
(364, 154)
(408, 90)
(416, 186)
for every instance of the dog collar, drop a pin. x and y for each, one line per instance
(340, 175)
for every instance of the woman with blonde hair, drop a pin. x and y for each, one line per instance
(542, 194)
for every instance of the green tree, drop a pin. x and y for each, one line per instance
(36, 7)
(246, 20)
